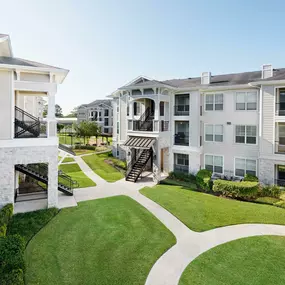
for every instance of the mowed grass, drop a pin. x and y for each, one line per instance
(202, 212)
(250, 261)
(101, 242)
(99, 166)
(68, 159)
(74, 171)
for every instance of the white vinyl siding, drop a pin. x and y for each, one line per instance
(214, 102)
(214, 163)
(214, 133)
(246, 101)
(245, 166)
(245, 134)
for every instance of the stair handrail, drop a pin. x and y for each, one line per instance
(26, 114)
(133, 162)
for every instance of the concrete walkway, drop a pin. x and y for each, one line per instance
(169, 267)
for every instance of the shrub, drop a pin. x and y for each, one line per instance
(15, 277)
(249, 177)
(12, 253)
(88, 147)
(203, 179)
(3, 230)
(6, 213)
(244, 189)
(270, 191)
(28, 224)
(181, 176)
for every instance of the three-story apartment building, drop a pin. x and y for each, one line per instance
(28, 145)
(231, 124)
(99, 111)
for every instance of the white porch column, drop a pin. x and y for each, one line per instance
(17, 174)
(156, 110)
(131, 110)
(51, 121)
(52, 182)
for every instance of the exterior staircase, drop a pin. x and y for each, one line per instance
(39, 172)
(136, 167)
(26, 125)
(145, 122)
(66, 149)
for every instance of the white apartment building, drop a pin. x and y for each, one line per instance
(231, 124)
(99, 111)
(28, 145)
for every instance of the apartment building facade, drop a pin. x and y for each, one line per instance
(99, 111)
(231, 124)
(27, 145)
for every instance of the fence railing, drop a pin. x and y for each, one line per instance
(181, 139)
(280, 147)
(280, 109)
(181, 168)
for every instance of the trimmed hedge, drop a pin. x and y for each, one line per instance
(5, 215)
(181, 176)
(89, 147)
(244, 189)
(249, 177)
(203, 180)
(270, 191)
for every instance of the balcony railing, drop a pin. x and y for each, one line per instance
(181, 139)
(181, 168)
(148, 126)
(280, 147)
(181, 110)
(280, 182)
(280, 109)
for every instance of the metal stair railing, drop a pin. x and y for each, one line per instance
(133, 162)
(66, 149)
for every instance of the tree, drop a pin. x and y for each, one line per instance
(87, 129)
(58, 111)
(59, 127)
(73, 113)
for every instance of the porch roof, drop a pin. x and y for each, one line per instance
(140, 142)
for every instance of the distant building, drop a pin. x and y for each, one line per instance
(99, 111)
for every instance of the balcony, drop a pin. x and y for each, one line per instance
(280, 146)
(181, 110)
(181, 168)
(148, 126)
(280, 109)
(181, 139)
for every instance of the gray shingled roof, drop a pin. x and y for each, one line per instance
(107, 102)
(219, 80)
(23, 62)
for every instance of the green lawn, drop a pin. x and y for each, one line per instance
(68, 159)
(201, 212)
(67, 139)
(99, 166)
(83, 151)
(75, 172)
(101, 242)
(250, 261)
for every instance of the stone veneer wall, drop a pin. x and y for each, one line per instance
(10, 156)
(267, 170)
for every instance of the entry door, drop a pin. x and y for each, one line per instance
(281, 172)
(161, 159)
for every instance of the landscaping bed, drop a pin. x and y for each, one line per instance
(107, 241)
(252, 261)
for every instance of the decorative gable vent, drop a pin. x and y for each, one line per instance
(267, 71)
(206, 78)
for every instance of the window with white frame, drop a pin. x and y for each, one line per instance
(245, 166)
(245, 134)
(214, 133)
(214, 102)
(181, 162)
(137, 108)
(246, 101)
(214, 163)
(118, 127)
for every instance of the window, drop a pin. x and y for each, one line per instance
(214, 133)
(245, 166)
(118, 127)
(181, 133)
(106, 131)
(118, 109)
(181, 162)
(106, 112)
(128, 110)
(106, 122)
(245, 134)
(181, 107)
(161, 108)
(214, 102)
(246, 101)
(118, 151)
(137, 108)
(214, 163)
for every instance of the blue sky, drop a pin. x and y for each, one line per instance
(106, 43)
